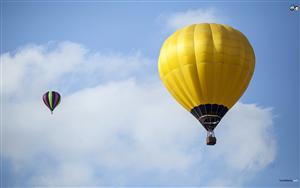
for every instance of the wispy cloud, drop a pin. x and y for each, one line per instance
(124, 129)
(193, 16)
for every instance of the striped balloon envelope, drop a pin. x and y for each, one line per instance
(51, 100)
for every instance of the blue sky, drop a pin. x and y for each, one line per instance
(97, 50)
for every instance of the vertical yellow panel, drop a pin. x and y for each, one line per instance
(172, 89)
(202, 74)
(233, 72)
(187, 61)
(216, 81)
(170, 80)
(177, 72)
(191, 78)
(204, 53)
(208, 79)
(240, 86)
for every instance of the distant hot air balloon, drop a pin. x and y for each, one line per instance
(51, 100)
(207, 68)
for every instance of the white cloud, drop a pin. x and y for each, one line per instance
(123, 129)
(252, 151)
(78, 174)
(65, 66)
(193, 16)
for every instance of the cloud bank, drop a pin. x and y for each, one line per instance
(117, 125)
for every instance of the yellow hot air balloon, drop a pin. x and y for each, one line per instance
(206, 68)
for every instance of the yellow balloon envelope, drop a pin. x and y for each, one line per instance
(207, 68)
